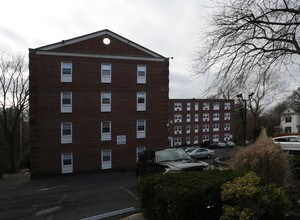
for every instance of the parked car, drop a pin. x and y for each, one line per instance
(288, 142)
(221, 144)
(202, 153)
(168, 160)
(230, 144)
(190, 149)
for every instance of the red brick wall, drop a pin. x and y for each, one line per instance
(86, 117)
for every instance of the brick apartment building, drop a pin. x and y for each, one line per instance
(96, 101)
(194, 121)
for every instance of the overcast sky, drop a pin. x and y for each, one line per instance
(170, 28)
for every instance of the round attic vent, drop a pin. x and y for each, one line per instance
(106, 40)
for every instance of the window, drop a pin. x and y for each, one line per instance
(215, 137)
(205, 127)
(205, 117)
(196, 106)
(66, 72)
(227, 137)
(66, 102)
(215, 127)
(177, 106)
(227, 106)
(188, 118)
(226, 127)
(66, 132)
(216, 106)
(216, 116)
(188, 140)
(188, 129)
(196, 128)
(195, 139)
(188, 106)
(141, 128)
(106, 159)
(105, 101)
(196, 117)
(288, 119)
(141, 74)
(226, 116)
(177, 118)
(139, 151)
(105, 131)
(177, 129)
(205, 106)
(141, 101)
(288, 129)
(205, 138)
(177, 141)
(105, 73)
(66, 163)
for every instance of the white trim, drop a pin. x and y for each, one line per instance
(103, 56)
(98, 34)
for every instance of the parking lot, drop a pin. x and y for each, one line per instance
(73, 196)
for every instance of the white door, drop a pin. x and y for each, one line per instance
(67, 163)
(106, 159)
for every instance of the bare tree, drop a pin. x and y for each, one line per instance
(14, 94)
(248, 36)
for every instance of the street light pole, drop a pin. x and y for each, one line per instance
(240, 96)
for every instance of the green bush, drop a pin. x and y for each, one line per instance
(188, 195)
(246, 198)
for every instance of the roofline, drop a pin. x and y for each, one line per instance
(98, 34)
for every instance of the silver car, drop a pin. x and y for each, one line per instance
(202, 153)
(288, 143)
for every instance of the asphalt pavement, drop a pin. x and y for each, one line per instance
(68, 197)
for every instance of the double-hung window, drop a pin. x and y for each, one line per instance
(105, 131)
(141, 74)
(105, 101)
(141, 128)
(227, 106)
(66, 102)
(106, 73)
(66, 72)
(216, 106)
(66, 133)
(216, 116)
(141, 101)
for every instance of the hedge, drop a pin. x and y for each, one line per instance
(187, 195)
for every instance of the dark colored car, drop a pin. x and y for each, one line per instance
(168, 160)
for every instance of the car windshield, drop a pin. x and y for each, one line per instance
(171, 154)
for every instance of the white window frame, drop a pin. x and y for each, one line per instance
(226, 126)
(196, 140)
(196, 117)
(177, 129)
(188, 117)
(141, 128)
(178, 118)
(141, 96)
(188, 106)
(105, 78)
(216, 138)
(105, 136)
(216, 127)
(196, 106)
(216, 106)
(216, 117)
(105, 107)
(188, 129)
(205, 127)
(227, 136)
(66, 138)
(65, 107)
(227, 106)
(139, 150)
(106, 159)
(205, 137)
(205, 117)
(188, 140)
(141, 74)
(66, 163)
(205, 105)
(66, 77)
(226, 116)
(177, 141)
(196, 128)
(177, 106)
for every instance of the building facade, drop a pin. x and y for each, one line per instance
(96, 101)
(194, 121)
(289, 121)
